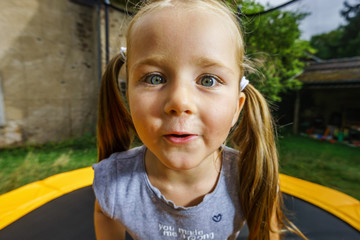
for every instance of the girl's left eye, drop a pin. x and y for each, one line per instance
(208, 81)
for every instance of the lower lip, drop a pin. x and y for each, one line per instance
(181, 140)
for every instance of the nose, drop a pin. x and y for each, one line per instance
(180, 99)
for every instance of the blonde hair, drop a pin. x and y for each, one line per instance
(254, 135)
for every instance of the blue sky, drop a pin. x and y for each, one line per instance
(325, 14)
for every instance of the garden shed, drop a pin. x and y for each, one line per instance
(328, 105)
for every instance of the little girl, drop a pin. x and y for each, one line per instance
(185, 90)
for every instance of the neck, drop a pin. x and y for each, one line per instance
(184, 187)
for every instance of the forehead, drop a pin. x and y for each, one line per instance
(174, 26)
(167, 11)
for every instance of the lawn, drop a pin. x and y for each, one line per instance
(20, 166)
(333, 165)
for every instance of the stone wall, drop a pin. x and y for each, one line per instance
(49, 69)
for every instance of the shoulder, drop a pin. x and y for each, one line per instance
(230, 156)
(109, 164)
(230, 167)
(107, 174)
(230, 153)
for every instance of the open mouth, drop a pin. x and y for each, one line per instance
(180, 138)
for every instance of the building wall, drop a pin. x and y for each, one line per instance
(49, 69)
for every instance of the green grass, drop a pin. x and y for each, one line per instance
(20, 166)
(333, 165)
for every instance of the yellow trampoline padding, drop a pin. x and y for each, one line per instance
(339, 204)
(17, 203)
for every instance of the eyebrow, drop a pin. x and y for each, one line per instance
(209, 62)
(157, 60)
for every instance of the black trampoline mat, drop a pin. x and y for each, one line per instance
(70, 217)
(316, 223)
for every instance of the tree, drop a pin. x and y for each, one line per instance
(351, 36)
(274, 38)
(328, 45)
(343, 41)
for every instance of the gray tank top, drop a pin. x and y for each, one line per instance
(125, 194)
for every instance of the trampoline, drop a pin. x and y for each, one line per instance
(61, 207)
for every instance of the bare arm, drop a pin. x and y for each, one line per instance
(274, 226)
(106, 228)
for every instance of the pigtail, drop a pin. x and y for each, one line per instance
(114, 124)
(258, 164)
(258, 169)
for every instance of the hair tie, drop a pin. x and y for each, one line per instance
(243, 83)
(123, 52)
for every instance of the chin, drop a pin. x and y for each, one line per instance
(181, 163)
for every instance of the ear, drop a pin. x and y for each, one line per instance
(239, 106)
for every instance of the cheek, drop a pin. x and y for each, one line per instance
(136, 101)
(144, 111)
(220, 118)
(136, 111)
(144, 105)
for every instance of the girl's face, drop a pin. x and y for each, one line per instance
(183, 85)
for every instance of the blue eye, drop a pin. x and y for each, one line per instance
(208, 81)
(154, 79)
